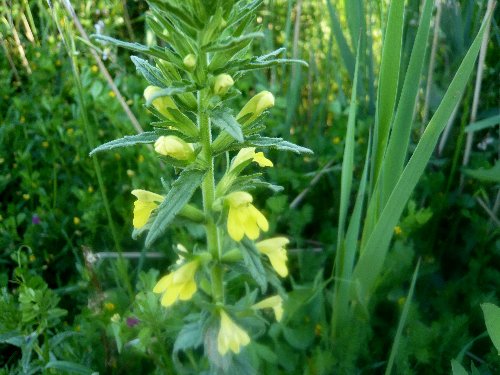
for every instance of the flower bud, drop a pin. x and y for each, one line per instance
(162, 104)
(223, 82)
(174, 147)
(255, 106)
(189, 61)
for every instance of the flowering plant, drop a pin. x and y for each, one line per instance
(191, 80)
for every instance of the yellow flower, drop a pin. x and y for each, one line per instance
(45, 144)
(189, 61)
(275, 303)
(111, 94)
(248, 153)
(244, 218)
(76, 220)
(275, 250)
(231, 336)
(162, 104)
(26, 197)
(336, 140)
(178, 285)
(145, 204)
(223, 82)
(174, 147)
(397, 230)
(109, 306)
(255, 106)
(94, 69)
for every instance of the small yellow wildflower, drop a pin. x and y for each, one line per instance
(94, 69)
(189, 61)
(111, 94)
(336, 140)
(22, 119)
(58, 62)
(70, 131)
(248, 153)
(76, 220)
(274, 302)
(275, 250)
(45, 144)
(90, 189)
(397, 230)
(256, 105)
(109, 306)
(231, 336)
(401, 301)
(174, 147)
(32, 258)
(318, 329)
(145, 204)
(223, 82)
(162, 104)
(78, 328)
(140, 159)
(178, 285)
(130, 173)
(26, 197)
(244, 218)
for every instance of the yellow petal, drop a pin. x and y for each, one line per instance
(278, 261)
(142, 212)
(250, 223)
(171, 295)
(187, 290)
(272, 243)
(239, 198)
(163, 284)
(234, 226)
(243, 155)
(147, 196)
(260, 159)
(186, 272)
(259, 218)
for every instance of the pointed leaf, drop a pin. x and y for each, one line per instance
(224, 120)
(278, 144)
(128, 140)
(492, 321)
(151, 73)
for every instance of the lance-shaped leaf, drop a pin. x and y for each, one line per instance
(374, 252)
(492, 320)
(136, 47)
(251, 258)
(224, 120)
(278, 144)
(178, 196)
(151, 73)
(129, 140)
(227, 43)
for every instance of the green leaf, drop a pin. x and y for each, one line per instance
(224, 120)
(345, 51)
(180, 194)
(400, 134)
(232, 42)
(402, 321)
(388, 81)
(492, 321)
(375, 249)
(151, 73)
(277, 143)
(489, 175)
(483, 124)
(190, 336)
(128, 140)
(457, 368)
(136, 47)
(70, 367)
(253, 263)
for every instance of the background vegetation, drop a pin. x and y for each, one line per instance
(70, 303)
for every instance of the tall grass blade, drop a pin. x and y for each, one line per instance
(373, 255)
(398, 144)
(345, 51)
(388, 82)
(402, 321)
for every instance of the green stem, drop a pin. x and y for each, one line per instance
(208, 193)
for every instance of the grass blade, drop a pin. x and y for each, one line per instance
(400, 135)
(373, 255)
(402, 321)
(388, 82)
